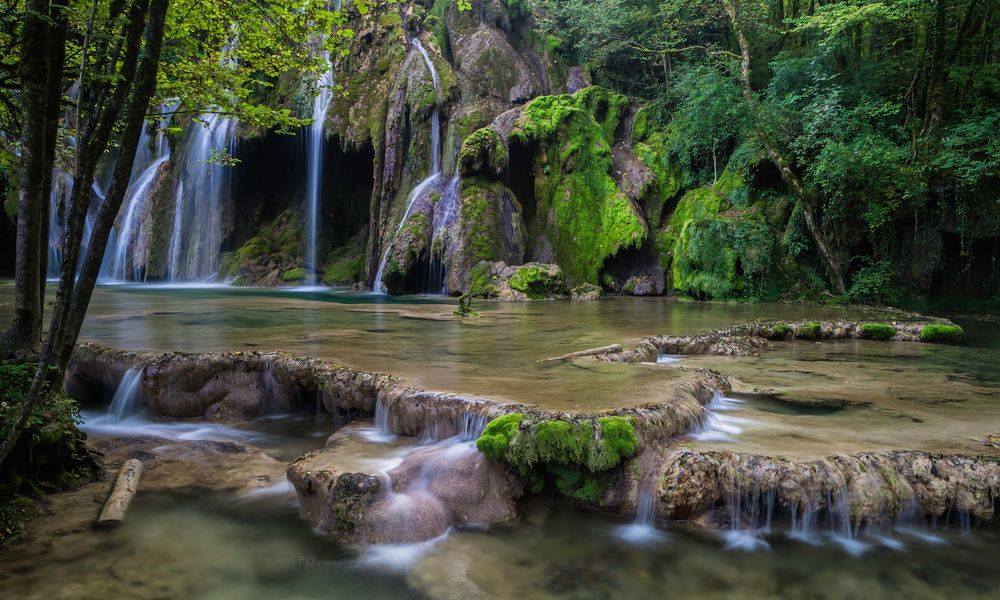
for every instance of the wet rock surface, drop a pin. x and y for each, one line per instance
(867, 488)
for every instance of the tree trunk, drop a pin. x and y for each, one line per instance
(790, 178)
(54, 343)
(132, 132)
(25, 331)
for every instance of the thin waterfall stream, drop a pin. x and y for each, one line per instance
(435, 173)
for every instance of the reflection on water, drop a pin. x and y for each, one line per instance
(563, 552)
(799, 398)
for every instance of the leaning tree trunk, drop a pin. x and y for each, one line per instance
(135, 120)
(54, 343)
(25, 331)
(792, 180)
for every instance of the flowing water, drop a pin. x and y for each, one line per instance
(314, 168)
(432, 178)
(799, 398)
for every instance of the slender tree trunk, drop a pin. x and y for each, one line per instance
(54, 342)
(57, 59)
(22, 337)
(792, 180)
(135, 121)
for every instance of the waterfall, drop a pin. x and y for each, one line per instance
(643, 530)
(718, 427)
(129, 242)
(445, 214)
(321, 104)
(202, 188)
(435, 163)
(128, 397)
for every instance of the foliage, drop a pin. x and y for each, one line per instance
(885, 111)
(50, 455)
(877, 331)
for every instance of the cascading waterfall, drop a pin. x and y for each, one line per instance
(128, 397)
(130, 239)
(445, 214)
(203, 187)
(321, 104)
(435, 163)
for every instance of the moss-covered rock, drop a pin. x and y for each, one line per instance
(595, 444)
(483, 152)
(490, 228)
(940, 333)
(537, 281)
(718, 251)
(580, 212)
(532, 281)
(273, 257)
(877, 331)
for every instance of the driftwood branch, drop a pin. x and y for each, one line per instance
(124, 489)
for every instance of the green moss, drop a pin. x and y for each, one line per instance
(781, 331)
(280, 239)
(294, 274)
(389, 18)
(877, 331)
(579, 208)
(497, 436)
(940, 333)
(50, 454)
(809, 331)
(482, 220)
(655, 155)
(483, 152)
(720, 252)
(595, 445)
(537, 282)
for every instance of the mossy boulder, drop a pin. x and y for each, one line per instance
(941, 333)
(877, 331)
(482, 153)
(532, 281)
(595, 444)
(718, 251)
(580, 212)
(808, 331)
(273, 257)
(490, 228)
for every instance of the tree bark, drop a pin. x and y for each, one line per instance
(54, 343)
(790, 178)
(22, 337)
(126, 485)
(132, 132)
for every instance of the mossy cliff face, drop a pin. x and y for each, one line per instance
(715, 249)
(581, 217)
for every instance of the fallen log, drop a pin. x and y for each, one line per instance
(124, 489)
(613, 348)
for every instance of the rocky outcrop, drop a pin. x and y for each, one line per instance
(868, 488)
(748, 339)
(532, 281)
(241, 385)
(432, 489)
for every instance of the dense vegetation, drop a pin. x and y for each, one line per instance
(862, 136)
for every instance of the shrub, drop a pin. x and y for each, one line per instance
(877, 331)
